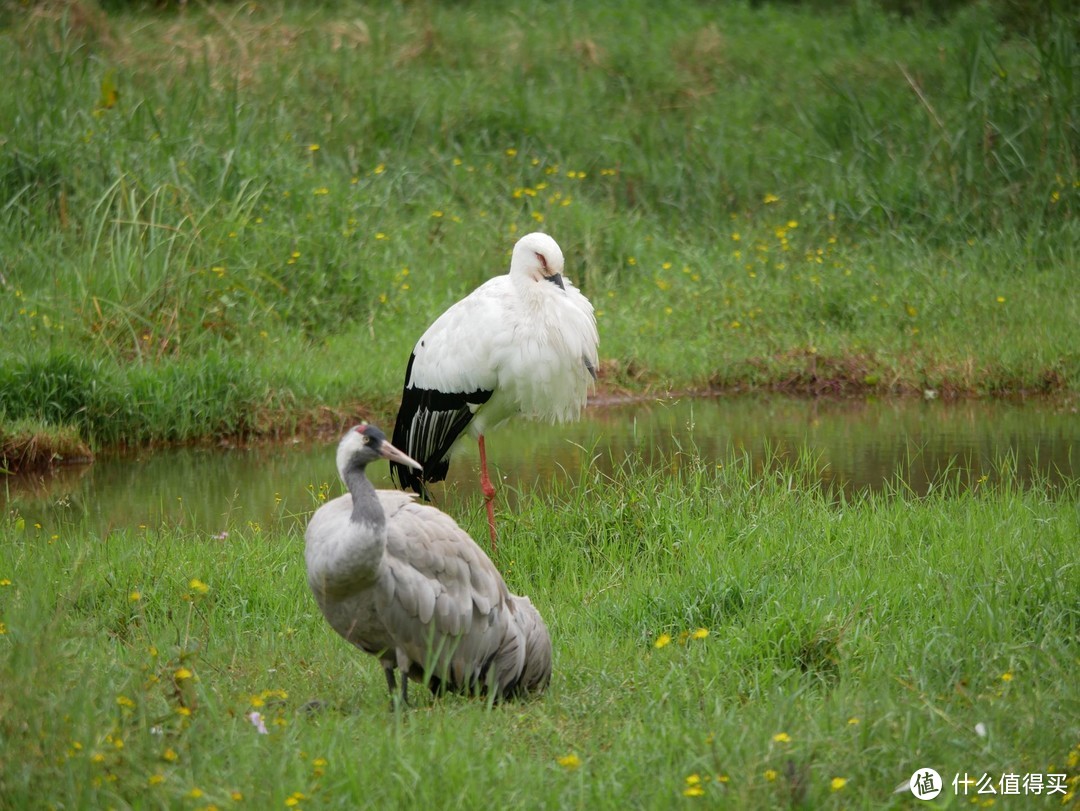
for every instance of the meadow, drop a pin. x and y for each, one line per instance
(722, 639)
(232, 220)
(235, 219)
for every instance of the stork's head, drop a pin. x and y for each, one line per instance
(365, 443)
(538, 257)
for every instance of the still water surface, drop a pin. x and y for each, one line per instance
(857, 446)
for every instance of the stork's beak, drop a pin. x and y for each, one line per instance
(388, 451)
(556, 280)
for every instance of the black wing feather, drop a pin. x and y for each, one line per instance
(428, 423)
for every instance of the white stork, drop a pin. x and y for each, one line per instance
(402, 581)
(522, 343)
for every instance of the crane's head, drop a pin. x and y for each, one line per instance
(538, 257)
(365, 443)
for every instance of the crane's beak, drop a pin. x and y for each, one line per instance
(556, 280)
(388, 451)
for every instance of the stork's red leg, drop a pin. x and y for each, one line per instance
(489, 491)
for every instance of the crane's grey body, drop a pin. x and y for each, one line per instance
(402, 581)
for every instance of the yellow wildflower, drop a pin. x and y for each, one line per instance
(570, 761)
(662, 641)
(700, 633)
(837, 783)
(771, 775)
(198, 586)
(782, 737)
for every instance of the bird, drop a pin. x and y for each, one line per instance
(523, 343)
(401, 580)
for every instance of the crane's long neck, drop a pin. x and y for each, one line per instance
(364, 545)
(366, 507)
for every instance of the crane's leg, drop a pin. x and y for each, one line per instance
(489, 491)
(388, 669)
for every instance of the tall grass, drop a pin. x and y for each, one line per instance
(301, 190)
(858, 639)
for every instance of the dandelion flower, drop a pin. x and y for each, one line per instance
(182, 674)
(170, 755)
(1007, 676)
(693, 779)
(782, 737)
(771, 775)
(313, 147)
(5, 582)
(124, 701)
(135, 596)
(770, 198)
(837, 783)
(198, 586)
(700, 633)
(570, 761)
(156, 779)
(693, 791)
(852, 721)
(662, 641)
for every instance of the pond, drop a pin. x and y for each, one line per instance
(857, 445)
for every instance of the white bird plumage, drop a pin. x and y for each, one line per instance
(403, 582)
(524, 343)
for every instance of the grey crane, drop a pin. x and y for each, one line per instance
(403, 582)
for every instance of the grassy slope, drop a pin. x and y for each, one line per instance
(875, 635)
(215, 221)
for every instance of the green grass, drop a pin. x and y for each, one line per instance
(873, 633)
(217, 219)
